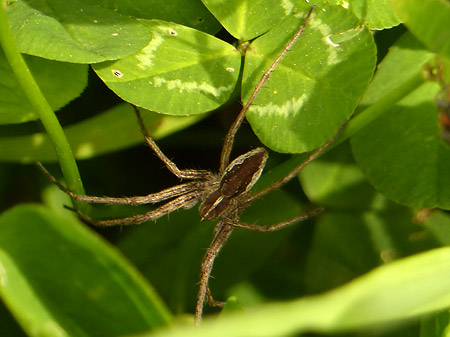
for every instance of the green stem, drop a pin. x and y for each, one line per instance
(40, 104)
(370, 114)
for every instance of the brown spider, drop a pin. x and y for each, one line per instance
(222, 196)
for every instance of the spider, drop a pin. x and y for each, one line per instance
(223, 195)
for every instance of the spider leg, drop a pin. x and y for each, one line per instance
(168, 193)
(275, 226)
(296, 170)
(229, 139)
(181, 174)
(204, 293)
(211, 301)
(185, 201)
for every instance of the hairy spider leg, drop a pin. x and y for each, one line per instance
(214, 248)
(190, 188)
(185, 201)
(152, 198)
(181, 174)
(300, 167)
(225, 228)
(229, 139)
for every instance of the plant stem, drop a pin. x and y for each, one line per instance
(40, 104)
(374, 111)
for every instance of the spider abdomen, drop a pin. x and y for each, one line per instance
(238, 178)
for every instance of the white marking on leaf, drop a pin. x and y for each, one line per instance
(288, 6)
(145, 56)
(229, 69)
(172, 32)
(325, 31)
(291, 106)
(331, 42)
(190, 86)
(115, 34)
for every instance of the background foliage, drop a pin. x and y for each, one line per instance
(376, 262)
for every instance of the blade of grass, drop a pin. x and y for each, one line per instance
(40, 104)
(390, 294)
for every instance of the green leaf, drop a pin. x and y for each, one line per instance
(195, 15)
(349, 243)
(406, 158)
(316, 86)
(404, 61)
(247, 19)
(437, 325)
(403, 155)
(359, 227)
(344, 245)
(74, 31)
(377, 14)
(68, 281)
(428, 20)
(179, 65)
(107, 132)
(60, 83)
(381, 296)
(174, 247)
(334, 180)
